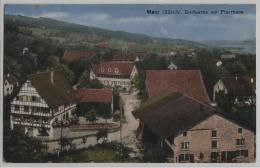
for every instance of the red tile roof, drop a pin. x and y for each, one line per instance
(95, 95)
(188, 82)
(76, 55)
(113, 68)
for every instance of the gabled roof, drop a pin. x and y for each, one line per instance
(240, 86)
(76, 55)
(113, 68)
(55, 94)
(95, 95)
(171, 112)
(188, 82)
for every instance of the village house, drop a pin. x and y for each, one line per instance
(44, 100)
(114, 74)
(95, 98)
(188, 82)
(172, 66)
(193, 131)
(10, 84)
(242, 88)
(77, 55)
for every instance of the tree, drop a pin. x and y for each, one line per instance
(70, 76)
(84, 79)
(21, 148)
(66, 142)
(102, 134)
(91, 115)
(53, 61)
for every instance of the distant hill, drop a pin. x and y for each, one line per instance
(248, 45)
(108, 34)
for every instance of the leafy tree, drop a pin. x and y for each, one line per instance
(70, 76)
(21, 148)
(95, 84)
(53, 61)
(84, 79)
(66, 142)
(102, 134)
(91, 115)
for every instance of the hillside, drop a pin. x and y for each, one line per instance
(55, 29)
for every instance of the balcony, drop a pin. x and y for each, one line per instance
(31, 124)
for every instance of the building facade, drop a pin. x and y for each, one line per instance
(193, 131)
(216, 139)
(10, 84)
(44, 100)
(242, 88)
(114, 74)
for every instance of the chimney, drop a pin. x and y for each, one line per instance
(252, 80)
(52, 81)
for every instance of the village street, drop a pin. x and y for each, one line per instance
(130, 103)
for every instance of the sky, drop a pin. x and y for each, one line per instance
(135, 19)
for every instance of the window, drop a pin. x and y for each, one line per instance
(34, 109)
(33, 98)
(26, 108)
(28, 84)
(16, 108)
(240, 141)
(239, 130)
(116, 70)
(5, 83)
(186, 157)
(39, 109)
(214, 156)
(184, 145)
(213, 133)
(7, 89)
(214, 144)
(243, 153)
(184, 133)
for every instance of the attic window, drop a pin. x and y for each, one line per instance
(28, 84)
(116, 70)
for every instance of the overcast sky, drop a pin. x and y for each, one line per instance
(134, 18)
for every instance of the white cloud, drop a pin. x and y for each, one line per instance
(52, 15)
(95, 17)
(142, 19)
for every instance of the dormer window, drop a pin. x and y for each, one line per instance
(28, 84)
(184, 133)
(116, 70)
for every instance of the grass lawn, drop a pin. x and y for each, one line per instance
(100, 154)
(92, 155)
